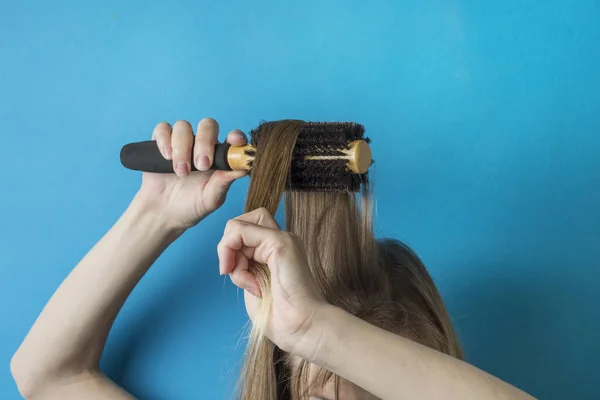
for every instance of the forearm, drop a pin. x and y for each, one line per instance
(69, 335)
(392, 367)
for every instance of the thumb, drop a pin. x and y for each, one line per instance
(217, 187)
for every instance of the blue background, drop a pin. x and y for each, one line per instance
(485, 120)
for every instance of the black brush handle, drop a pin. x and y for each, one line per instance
(145, 156)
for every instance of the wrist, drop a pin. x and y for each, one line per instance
(325, 331)
(143, 210)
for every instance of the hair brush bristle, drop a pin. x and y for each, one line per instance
(321, 139)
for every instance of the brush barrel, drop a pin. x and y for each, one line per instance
(145, 156)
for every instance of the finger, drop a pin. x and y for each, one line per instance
(162, 135)
(216, 189)
(244, 279)
(204, 148)
(260, 216)
(243, 234)
(182, 141)
(252, 304)
(217, 186)
(247, 252)
(220, 182)
(236, 138)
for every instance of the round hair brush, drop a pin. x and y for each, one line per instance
(328, 157)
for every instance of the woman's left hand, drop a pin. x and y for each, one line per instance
(182, 200)
(255, 236)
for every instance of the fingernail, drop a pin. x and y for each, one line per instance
(168, 150)
(182, 169)
(202, 162)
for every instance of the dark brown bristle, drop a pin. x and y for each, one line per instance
(321, 139)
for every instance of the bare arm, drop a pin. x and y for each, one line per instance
(59, 358)
(393, 367)
(67, 340)
(302, 323)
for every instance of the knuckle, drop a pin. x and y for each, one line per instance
(162, 127)
(218, 200)
(161, 132)
(286, 238)
(206, 134)
(205, 144)
(280, 246)
(181, 152)
(231, 225)
(182, 125)
(294, 240)
(265, 218)
(292, 237)
(209, 122)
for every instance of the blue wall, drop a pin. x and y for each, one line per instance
(485, 120)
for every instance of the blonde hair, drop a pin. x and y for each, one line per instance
(382, 282)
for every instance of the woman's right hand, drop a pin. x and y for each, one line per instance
(185, 198)
(296, 302)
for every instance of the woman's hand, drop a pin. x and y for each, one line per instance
(60, 356)
(185, 198)
(296, 305)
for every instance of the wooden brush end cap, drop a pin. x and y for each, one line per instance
(359, 157)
